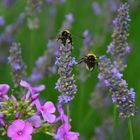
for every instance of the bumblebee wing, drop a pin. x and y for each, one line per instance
(81, 60)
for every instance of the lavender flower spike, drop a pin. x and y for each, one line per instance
(17, 65)
(123, 97)
(65, 83)
(119, 47)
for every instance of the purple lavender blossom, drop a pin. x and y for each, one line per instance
(67, 22)
(20, 130)
(96, 7)
(8, 36)
(2, 21)
(9, 3)
(17, 65)
(87, 38)
(65, 83)
(33, 8)
(119, 47)
(104, 131)
(123, 97)
(99, 98)
(45, 64)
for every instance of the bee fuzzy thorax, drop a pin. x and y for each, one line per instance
(92, 55)
(64, 36)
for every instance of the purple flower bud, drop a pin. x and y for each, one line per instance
(18, 114)
(2, 21)
(96, 7)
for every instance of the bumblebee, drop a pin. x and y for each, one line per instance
(90, 60)
(64, 36)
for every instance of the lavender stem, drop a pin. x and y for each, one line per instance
(130, 129)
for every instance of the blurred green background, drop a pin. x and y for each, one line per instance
(33, 42)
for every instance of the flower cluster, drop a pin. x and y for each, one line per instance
(99, 98)
(67, 22)
(33, 9)
(119, 47)
(7, 37)
(112, 78)
(63, 132)
(20, 116)
(17, 66)
(104, 131)
(45, 64)
(66, 83)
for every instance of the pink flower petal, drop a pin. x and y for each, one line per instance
(11, 131)
(37, 104)
(24, 84)
(49, 117)
(39, 88)
(49, 107)
(28, 129)
(35, 120)
(72, 135)
(23, 137)
(15, 127)
(18, 124)
(4, 88)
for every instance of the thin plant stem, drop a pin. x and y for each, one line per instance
(130, 129)
(68, 111)
(114, 120)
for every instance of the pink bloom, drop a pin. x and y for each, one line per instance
(46, 110)
(35, 120)
(63, 132)
(20, 130)
(4, 88)
(31, 89)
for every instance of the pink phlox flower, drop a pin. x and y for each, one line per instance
(63, 132)
(31, 89)
(4, 88)
(20, 130)
(63, 117)
(46, 110)
(35, 120)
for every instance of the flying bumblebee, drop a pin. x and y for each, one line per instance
(90, 60)
(64, 36)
